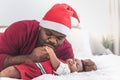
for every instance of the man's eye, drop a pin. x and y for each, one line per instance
(60, 38)
(48, 33)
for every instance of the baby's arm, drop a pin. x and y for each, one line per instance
(53, 58)
(10, 71)
(59, 67)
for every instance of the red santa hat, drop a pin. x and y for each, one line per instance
(58, 18)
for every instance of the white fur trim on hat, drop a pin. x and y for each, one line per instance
(55, 26)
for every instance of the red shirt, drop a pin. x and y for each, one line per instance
(29, 70)
(21, 38)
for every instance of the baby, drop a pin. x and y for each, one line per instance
(55, 66)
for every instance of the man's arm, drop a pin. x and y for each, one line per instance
(19, 39)
(11, 60)
(39, 54)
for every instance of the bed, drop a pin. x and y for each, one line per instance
(108, 68)
(108, 64)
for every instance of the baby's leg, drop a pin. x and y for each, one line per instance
(10, 72)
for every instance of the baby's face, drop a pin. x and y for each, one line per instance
(75, 65)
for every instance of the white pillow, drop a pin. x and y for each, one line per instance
(97, 46)
(79, 40)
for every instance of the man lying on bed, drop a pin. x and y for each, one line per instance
(23, 40)
(56, 66)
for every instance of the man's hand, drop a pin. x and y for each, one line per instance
(39, 54)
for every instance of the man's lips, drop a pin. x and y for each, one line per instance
(50, 46)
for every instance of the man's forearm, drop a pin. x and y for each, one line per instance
(38, 54)
(11, 60)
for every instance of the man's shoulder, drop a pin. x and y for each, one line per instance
(24, 24)
(66, 43)
(29, 21)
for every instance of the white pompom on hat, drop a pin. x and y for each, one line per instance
(58, 18)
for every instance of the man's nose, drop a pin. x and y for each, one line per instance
(53, 40)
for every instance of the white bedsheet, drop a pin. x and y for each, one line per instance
(108, 69)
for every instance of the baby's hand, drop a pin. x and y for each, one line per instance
(49, 50)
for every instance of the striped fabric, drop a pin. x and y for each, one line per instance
(39, 65)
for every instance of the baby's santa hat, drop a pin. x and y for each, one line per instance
(58, 18)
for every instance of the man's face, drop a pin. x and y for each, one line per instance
(50, 38)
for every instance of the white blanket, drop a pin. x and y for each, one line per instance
(108, 69)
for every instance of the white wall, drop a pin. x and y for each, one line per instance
(94, 14)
